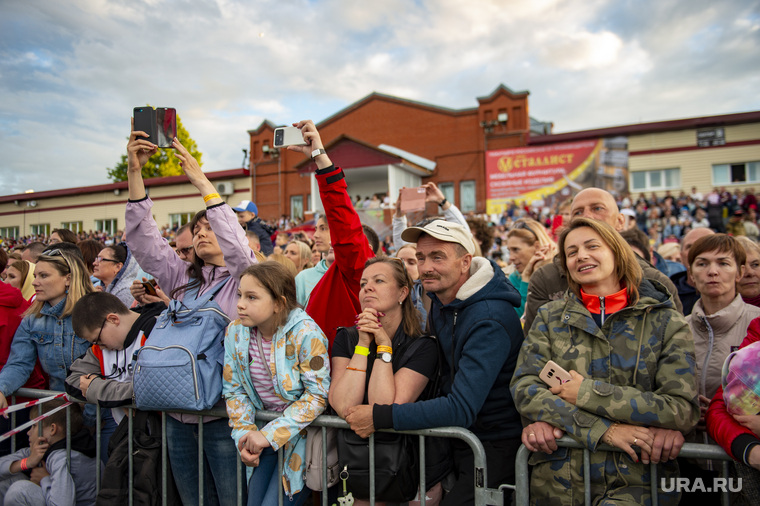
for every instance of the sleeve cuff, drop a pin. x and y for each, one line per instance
(216, 205)
(741, 446)
(326, 170)
(382, 416)
(138, 200)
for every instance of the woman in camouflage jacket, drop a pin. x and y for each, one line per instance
(631, 359)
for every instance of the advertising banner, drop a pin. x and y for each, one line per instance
(537, 172)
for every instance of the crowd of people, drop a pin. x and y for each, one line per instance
(616, 321)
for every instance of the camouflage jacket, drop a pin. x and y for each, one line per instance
(641, 370)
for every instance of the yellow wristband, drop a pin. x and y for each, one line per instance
(361, 350)
(384, 349)
(211, 196)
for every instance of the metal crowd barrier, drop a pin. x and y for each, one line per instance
(483, 495)
(689, 450)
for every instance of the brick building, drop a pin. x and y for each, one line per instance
(380, 138)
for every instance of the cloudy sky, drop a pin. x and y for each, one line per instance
(71, 71)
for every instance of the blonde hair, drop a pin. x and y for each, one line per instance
(65, 262)
(669, 249)
(304, 251)
(531, 232)
(748, 245)
(285, 262)
(627, 268)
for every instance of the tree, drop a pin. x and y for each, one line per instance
(163, 163)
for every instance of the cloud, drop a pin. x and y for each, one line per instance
(71, 72)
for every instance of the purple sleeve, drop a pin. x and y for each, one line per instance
(233, 242)
(152, 251)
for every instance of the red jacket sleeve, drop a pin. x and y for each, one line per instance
(732, 436)
(334, 301)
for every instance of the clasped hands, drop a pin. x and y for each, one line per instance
(250, 445)
(657, 444)
(370, 329)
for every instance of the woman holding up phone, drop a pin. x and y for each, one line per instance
(630, 357)
(222, 254)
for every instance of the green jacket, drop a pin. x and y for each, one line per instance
(641, 370)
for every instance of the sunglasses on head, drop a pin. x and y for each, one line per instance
(521, 225)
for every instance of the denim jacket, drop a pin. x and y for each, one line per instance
(49, 338)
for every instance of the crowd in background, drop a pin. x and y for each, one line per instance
(502, 277)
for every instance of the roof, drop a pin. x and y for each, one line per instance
(644, 128)
(121, 185)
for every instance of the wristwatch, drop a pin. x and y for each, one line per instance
(317, 152)
(385, 357)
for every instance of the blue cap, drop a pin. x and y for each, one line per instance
(246, 205)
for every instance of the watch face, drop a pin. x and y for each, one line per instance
(386, 357)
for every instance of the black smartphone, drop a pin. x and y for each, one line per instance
(160, 124)
(145, 121)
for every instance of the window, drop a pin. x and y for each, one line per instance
(74, 226)
(107, 226)
(40, 229)
(467, 196)
(736, 173)
(296, 207)
(9, 232)
(653, 180)
(448, 191)
(179, 219)
(308, 202)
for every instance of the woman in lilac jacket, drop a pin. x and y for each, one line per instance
(221, 254)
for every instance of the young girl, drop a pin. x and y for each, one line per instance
(275, 358)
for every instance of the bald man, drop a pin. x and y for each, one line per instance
(686, 290)
(550, 282)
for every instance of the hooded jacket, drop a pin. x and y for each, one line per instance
(300, 370)
(123, 280)
(480, 336)
(639, 369)
(714, 337)
(113, 388)
(12, 306)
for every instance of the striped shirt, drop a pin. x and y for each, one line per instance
(261, 375)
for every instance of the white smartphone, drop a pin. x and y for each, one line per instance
(288, 136)
(554, 375)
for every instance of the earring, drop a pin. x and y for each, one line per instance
(400, 302)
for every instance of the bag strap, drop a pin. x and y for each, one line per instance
(206, 297)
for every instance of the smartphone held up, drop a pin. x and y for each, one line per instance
(160, 124)
(288, 136)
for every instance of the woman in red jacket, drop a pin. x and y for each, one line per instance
(738, 435)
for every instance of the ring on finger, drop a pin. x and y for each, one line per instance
(634, 440)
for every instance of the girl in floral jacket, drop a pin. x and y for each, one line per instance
(275, 358)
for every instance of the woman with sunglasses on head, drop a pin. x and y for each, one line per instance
(46, 333)
(116, 267)
(221, 254)
(530, 247)
(630, 361)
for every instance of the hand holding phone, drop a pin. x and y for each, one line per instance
(288, 136)
(553, 375)
(160, 124)
(150, 287)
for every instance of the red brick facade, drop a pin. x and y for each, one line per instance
(455, 139)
